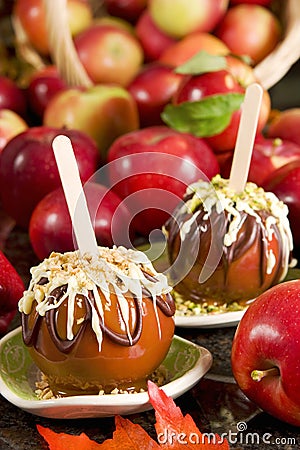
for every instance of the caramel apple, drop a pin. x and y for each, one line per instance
(93, 324)
(227, 247)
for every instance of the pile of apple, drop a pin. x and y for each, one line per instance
(167, 83)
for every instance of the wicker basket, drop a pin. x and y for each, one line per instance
(268, 72)
(287, 52)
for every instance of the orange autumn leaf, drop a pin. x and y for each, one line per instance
(175, 431)
(127, 436)
(64, 441)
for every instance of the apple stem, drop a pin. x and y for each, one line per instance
(258, 375)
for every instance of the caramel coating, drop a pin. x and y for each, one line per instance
(86, 369)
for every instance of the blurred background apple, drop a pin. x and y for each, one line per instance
(178, 18)
(50, 227)
(28, 170)
(109, 54)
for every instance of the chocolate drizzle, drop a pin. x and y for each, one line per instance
(189, 236)
(31, 322)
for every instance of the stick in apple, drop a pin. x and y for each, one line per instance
(241, 158)
(245, 138)
(76, 201)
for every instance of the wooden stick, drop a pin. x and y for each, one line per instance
(245, 138)
(76, 201)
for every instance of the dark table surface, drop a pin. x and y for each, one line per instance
(215, 403)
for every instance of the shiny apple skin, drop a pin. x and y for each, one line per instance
(152, 89)
(267, 336)
(86, 370)
(167, 178)
(50, 227)
(28, 170)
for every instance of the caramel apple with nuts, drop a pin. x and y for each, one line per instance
(242, 240)
(96, 323)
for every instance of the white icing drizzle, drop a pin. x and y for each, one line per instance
(115, 270)
(217, 194)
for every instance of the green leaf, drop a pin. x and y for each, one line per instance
(203, 118)
(202, 62)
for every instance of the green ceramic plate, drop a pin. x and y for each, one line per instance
(186, 363)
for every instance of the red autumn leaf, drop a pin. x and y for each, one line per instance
(63, 441)
(175, 430)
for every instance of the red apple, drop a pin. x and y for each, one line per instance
(151, 169)
(31, 14)
(266, 352)
(50, 227)
(11, 290)
(267, 156)
(251, 30)
(103, 112)
(178, 18)
(126, 9)
(12, 97)
(41, 88)
(198, 87)
(189, 46)
(153, 40)
(219, 133)
(285, 125)
(28, 169)
(285, 183)
(153, 88)
(11, 124)
(109, 53)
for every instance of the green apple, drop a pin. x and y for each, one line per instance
(178, 18)
(103, 112)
